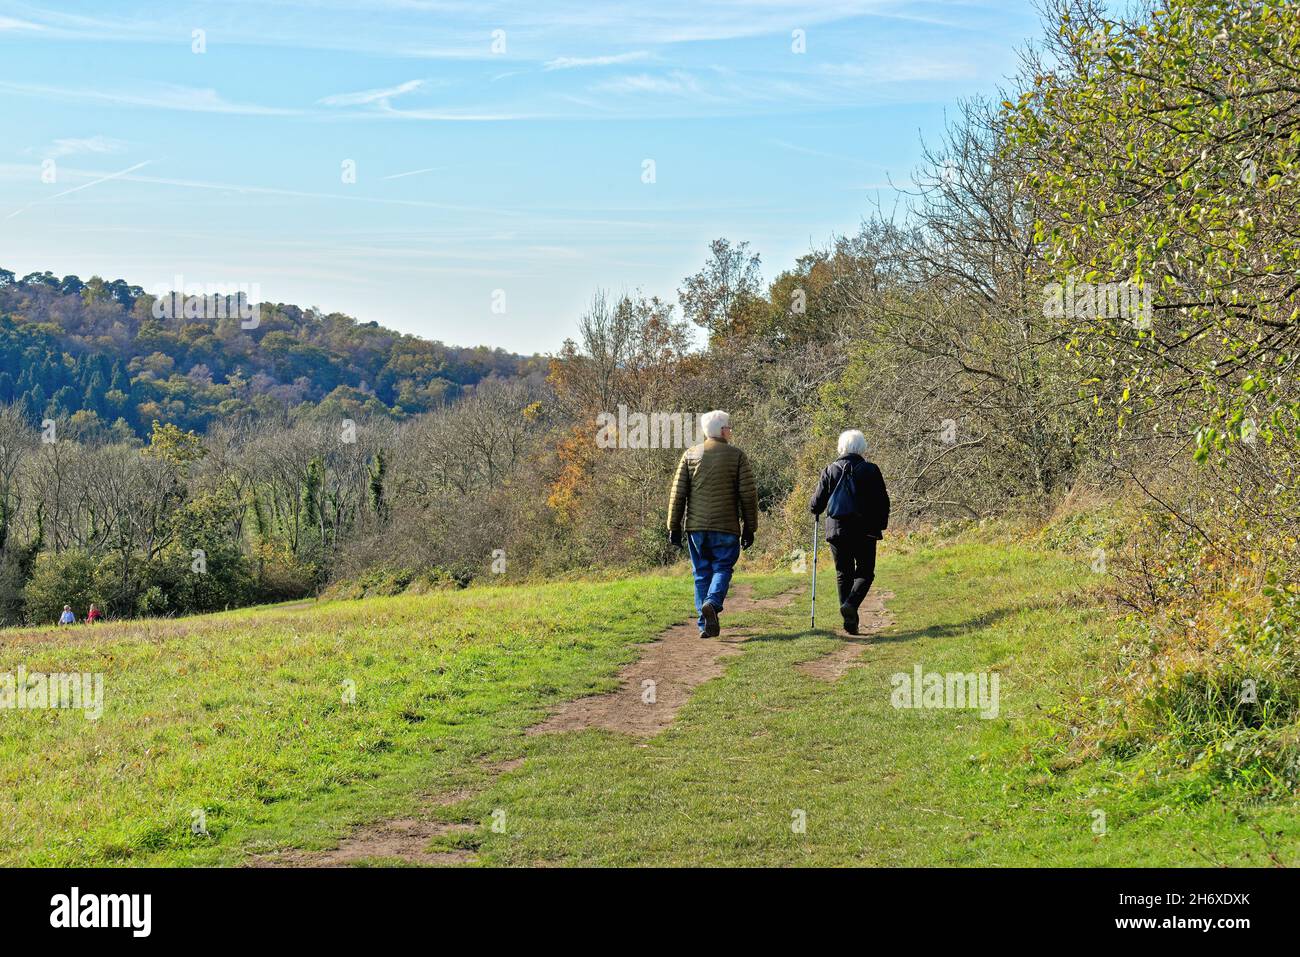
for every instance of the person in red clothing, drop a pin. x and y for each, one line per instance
(93, 615)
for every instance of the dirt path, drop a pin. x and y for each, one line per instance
(872, 619)
(653, 689)
(404, 839)
(673, 664)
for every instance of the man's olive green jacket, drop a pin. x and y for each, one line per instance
(713, 491)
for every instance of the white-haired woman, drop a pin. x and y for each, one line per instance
(852, 493)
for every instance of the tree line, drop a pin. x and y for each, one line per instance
(103, 356)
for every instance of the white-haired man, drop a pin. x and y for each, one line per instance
(714, 499)
(852, 493)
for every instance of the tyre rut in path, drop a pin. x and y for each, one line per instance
(404, 839)
(872, 619)
(676, 662)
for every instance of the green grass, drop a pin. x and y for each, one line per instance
(240, 714)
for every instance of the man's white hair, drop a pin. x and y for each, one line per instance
(852, 442)
(712, 423)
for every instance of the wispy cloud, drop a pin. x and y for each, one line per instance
(167, 97)
(90, 144)
(676, 83)
(577, 62)
(414, 172)
(398, 27)
(365, 97)
(386, 109)
(379, 103)
(902, 69)
(475, 48)
(821, 154)
(27, 172)
(9, 23)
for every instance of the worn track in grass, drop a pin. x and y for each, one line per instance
(872, 619)
(675, 663)
(655, 687)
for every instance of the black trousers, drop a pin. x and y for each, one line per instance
(855, 567)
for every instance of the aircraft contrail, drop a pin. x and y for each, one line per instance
(93, 182)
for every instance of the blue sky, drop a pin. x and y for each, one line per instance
(497, 146)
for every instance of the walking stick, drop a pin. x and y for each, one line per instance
(813, 623)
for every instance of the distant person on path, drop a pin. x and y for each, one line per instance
(67, 618)
(714, 499)
(93, 615)
(853, 495)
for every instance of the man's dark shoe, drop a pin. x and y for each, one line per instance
(711, 627)
(850, 615)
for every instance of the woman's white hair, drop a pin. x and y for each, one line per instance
(852, 442)
(712, 423)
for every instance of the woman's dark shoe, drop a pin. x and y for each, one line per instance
(850, 615)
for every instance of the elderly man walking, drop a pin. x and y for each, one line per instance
(713, 498)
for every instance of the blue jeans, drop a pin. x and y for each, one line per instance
(713, 556)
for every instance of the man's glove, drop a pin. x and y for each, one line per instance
(746, 538)
(675, 538)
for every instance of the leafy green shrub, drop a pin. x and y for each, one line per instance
(153, 603)
(1220, 700)
(650, 547)
(396, 581)
(58, 579)
(15, 570)
(1082, 530)
(279, 576)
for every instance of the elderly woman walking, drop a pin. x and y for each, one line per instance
(852, 494)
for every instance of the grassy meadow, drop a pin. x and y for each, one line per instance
(243, 716)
